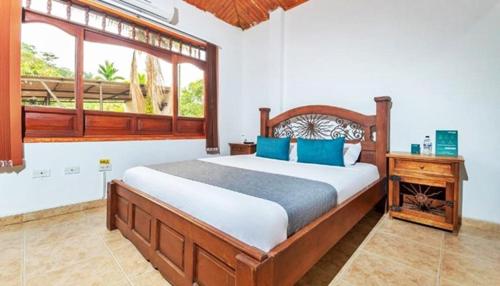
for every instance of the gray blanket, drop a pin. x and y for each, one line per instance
(303, 200)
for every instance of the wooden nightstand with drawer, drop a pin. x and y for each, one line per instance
(242, 149)
(426, 189)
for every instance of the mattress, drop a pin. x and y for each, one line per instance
(257, 222)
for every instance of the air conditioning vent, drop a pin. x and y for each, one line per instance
(162, 11)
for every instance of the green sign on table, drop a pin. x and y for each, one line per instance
(446, 142)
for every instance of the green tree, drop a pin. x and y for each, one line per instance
(109, 71)
(35, 63)
(191, 100)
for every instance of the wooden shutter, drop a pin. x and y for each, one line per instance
(11, 152)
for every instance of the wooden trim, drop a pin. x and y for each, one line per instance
(138, 21)
(79, 66)
(35, 17)
(175, 90)
(420, 157)
(105, 38)
(326, 110)
(113, 138)
(11, 148)
(52, 212)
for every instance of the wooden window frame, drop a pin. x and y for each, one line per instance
(46, 124)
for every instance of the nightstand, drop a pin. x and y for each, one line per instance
(426, 189)
(242, 149)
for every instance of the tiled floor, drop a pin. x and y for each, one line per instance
(77, 249)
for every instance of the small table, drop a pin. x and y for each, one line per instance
(426, 189)
(242, 149)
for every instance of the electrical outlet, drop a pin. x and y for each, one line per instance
(42, 173)
(72, 170)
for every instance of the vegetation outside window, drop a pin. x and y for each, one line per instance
(47, 67)
(191, 91)
(122, 79)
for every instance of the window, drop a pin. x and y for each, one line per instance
(191, 90)
(47, 67)
(102, 75)
(122, 79)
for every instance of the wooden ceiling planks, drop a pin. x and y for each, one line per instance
(243, 13)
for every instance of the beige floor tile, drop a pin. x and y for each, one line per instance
(60, 254)
(150, 279)
(96, 272)
(132, 261)
(466, 270)
(368, 269)
(75, 250)
(472, 246)
(415, 255)
(446, 282)
(11, 265)
(50, 232)
(481, 229)
(412, 231)
(11, 236)
(339, 282)
(115, 240)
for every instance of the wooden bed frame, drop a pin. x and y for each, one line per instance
(188, 251)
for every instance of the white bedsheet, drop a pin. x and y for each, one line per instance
(257, 222)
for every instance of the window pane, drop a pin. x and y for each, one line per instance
(112, 25)
(165, 43)
(203, 55)
(191, 91)
(96, 20)
(141, 35)
(186, 50)
(59, 9)
(127, 31)
(78, 15)
(47, 67)
(122, 79)
(39, 5)
(176, 46)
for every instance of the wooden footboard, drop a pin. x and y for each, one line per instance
(190, 252)
(185, 250)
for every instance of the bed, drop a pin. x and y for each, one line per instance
(202, 233)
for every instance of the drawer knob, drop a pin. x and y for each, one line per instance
(422, 167)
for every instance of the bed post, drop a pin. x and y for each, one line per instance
(383, 123)
(264, 119)
(111, 207)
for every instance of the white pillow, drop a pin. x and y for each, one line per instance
(351, 153)
(293, 152)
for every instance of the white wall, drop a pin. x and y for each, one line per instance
(438, 60)
(20, 193)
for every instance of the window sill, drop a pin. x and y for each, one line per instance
(112, 138)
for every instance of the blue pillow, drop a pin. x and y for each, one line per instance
(273, 148)
(324, 152)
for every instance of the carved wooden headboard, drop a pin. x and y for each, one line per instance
(323, 121)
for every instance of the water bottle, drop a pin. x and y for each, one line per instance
(427, 150)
